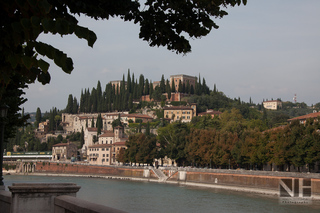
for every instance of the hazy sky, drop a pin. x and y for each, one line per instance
(266, 49)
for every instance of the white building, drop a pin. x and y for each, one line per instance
(272, 105)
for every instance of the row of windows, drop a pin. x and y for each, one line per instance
(178, 112)
(184, 117)
(97, 149)
(102, 149)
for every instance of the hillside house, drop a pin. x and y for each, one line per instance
(176, 113)
(64, 151)
(272, 105)
(108, 147)
(303, 118)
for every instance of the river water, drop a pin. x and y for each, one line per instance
(134, 196)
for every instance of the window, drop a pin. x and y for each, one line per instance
(178, 117)
(188, 117)
(183, 117)
(107, 155)
(102, 149)
(103, 155)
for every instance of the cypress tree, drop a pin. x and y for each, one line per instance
(191, 90)
(187, 87)
(69, 107)
(130, 104)
(129, 82)
(162, 84)
(173, 88)
(99, 124)
(151, 90)
(146, 87)
(38, 117)
(82, 102)
(168, 89)
(75, 106)
(81, 137)
(148, 128)
(180, 86)
(92, 122)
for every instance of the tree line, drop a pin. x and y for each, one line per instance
(122, 97)
(228, 141)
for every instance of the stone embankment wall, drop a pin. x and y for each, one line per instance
(233, 178)
(243, 178)
(70, 168)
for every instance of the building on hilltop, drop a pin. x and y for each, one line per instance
(184, 79)
(272, 105)
(302, 119)
(117, 84)
(108, 147)
(183, 113)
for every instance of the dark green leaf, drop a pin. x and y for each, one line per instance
(45, 6)
(48, 24)
(62, 26)
(35, 20)
(26, 24)
(27, 61)
(43, 65)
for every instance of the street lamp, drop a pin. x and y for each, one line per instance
(3, 116)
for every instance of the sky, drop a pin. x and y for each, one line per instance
(264, 50)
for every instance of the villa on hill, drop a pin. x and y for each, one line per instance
(272, 105)
(182, 113)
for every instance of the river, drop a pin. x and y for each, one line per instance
(134, 196)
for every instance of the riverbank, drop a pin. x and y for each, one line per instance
(258, 182)
(259, 191)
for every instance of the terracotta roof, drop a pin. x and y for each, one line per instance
(60, 144)
(92, 129)
(136, 115)
(178, 108)
(107, 134)
(122, 143)
(100, 146)
(118, 127)
(304, 117)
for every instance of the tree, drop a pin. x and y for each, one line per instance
(99, 124)
(38, 118)
(168, 89)
(69, 108)
(81, 137)
(163, 84)
(180, 88)
(172, 139)
(162, 23)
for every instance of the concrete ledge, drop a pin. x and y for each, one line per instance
(64, 203)
(44, 188)
(5, 201)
